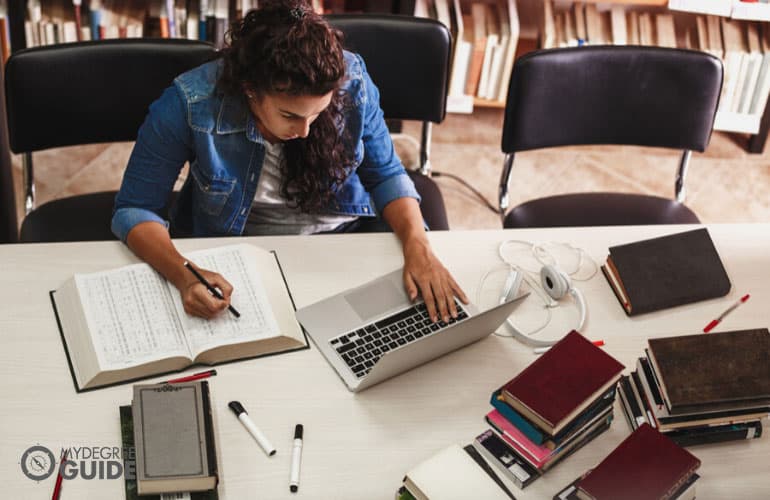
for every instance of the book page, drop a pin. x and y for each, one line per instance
(131, 317)
(249, 298)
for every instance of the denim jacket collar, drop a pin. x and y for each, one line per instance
(234, 117)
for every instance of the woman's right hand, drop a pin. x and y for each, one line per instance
(150, 241)
(196, 298)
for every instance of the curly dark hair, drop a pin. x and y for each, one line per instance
(285, 47)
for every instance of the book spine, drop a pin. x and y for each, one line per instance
(516, 419)
(208, 423)
(720, 434)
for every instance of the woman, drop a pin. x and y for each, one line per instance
(284, 135)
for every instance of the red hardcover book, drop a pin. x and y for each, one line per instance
(645, 466)
(562, 382)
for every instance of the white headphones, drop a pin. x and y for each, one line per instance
(554, 285)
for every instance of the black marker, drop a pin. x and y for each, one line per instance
(210, 288)
(296, 459)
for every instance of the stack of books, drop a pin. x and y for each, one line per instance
(556, 405)
(703, 388)
(645, 466)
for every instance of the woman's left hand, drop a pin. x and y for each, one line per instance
(425, 275)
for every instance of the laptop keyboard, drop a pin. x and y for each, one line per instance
(362, 348)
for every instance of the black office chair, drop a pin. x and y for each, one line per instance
(408, 59)
(645, 96)
(85, 93)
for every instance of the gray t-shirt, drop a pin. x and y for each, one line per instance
(270, 213)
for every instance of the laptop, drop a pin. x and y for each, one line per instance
(374, 332)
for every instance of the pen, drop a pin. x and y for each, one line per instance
(541, 350)
(260, 438)
(191, 378)
(296, 459)
(57, 486)
(210, 288)
(715, 322)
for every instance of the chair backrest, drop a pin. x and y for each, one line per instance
(91, 92)
(646, 96)
(408, 59)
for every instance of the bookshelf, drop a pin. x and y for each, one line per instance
(744, 48)
(526, 31)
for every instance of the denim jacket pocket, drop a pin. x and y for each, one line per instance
(211, 193)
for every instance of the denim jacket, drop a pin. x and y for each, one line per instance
(193, 121)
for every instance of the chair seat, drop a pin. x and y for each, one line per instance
(599, 209)
(78, 218)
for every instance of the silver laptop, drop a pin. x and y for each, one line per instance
(373, 332)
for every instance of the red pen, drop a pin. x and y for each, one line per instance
(60, 475)
(715, 322)
(191, 378)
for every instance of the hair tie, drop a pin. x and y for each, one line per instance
(297, 13)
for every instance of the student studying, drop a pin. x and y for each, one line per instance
(284, 135)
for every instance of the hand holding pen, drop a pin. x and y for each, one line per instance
(208, 300)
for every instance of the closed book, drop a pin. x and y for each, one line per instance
(667, 271)
(539, 436)
(505, 459)
(129, 462)
(659, 417)
(716, 433)
(562, 382)
(645, 466)
(537, 455)
(703, 372)
(685, 492)
(451, 474)
(174, 436)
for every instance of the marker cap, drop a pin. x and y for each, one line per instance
(237, 407)
(298, 431)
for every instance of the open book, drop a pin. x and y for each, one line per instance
(129, 323)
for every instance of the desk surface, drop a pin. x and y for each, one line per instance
(356, 446)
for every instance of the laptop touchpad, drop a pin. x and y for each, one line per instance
(377, 298)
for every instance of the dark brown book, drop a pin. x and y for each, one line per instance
(645, 466)
(709, 372)
(562, 382)
(667, 271)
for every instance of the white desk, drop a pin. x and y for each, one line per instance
(356, 446)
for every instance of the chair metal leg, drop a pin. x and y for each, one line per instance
(427, 129)
(29, 182)
(505, 180)
(679, 189)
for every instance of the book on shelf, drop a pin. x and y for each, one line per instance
(562, 382)
(129, 323)
(666, 271)
(451, 474)
(478, 25)
(727, 370)
(174, 438)
(646, 465)
(129, 465)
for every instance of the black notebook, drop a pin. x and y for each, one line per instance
(665, 272)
